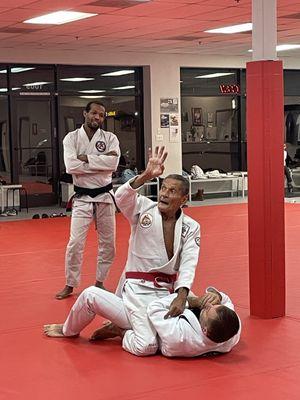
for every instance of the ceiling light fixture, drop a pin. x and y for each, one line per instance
(91, 97)
(232, 29)
(215, 75)
(119, 73)
(77, 79)
(36, 84)
(91, 91)
(16, 70)
(123, 87)
(59, 18)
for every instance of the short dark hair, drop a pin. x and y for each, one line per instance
(185, 186)
(224, 326)
(89, 105)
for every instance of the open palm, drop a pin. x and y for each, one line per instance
(155, 166)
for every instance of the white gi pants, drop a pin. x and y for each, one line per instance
(142, 340)
(83, 214)
(128, 313)
(91, 302)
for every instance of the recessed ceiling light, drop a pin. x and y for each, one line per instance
(283, 47)
(91, 97)
(91, 91)
(36, 84)
(16, 70)
(77, 79)
(119, 73)
(232, 29)
(215, 75)
(123, 87)
(5, 89)
(59, 17)
(20, 69)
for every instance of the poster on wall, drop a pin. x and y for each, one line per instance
(174, 134)
(169, 105)
(164, 121)
(197, 117)
(174, 119)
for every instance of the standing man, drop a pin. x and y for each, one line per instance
(90, 155)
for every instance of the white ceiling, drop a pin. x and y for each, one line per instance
(160, 26)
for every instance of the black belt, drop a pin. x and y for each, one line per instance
(92, 192)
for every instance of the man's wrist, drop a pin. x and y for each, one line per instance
(140, 180)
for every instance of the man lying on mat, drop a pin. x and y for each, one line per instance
(209, 324)
(163, 251)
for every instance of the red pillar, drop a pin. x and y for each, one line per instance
(265, 137)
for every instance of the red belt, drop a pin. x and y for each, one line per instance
(155, 277)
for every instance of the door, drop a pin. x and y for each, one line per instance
(34, 149)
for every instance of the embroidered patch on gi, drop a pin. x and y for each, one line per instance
(197, 240)
(185, 230)
(100, 146)
(146, 220)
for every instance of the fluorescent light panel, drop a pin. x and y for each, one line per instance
(232, 29)
(91, 97)
(284, 47)
(77, 79)
(5, 89)
(119, 73)
(91, 91)
(215, 75)
(123, 87)
(59, 18)
(16, 70)
(36, 84)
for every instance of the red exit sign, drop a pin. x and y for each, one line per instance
(229, 89)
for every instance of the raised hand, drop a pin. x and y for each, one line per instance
(155, 166)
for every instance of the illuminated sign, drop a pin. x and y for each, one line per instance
(111, 113)
(230, 89)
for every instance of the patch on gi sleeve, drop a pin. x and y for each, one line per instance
(100, 146)
(197, 240)
(146, 220)
(185, 230)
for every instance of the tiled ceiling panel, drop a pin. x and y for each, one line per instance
(156, 25)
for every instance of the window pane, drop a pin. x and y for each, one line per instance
(32, 79)
(4, 141)
(91, 81)
(122, 119)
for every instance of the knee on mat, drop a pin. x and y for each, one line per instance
(143, 349)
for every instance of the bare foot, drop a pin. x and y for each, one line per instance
(100, 285)
(56, 330)
(108, 331)
(66, 292)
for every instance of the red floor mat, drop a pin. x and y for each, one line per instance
(266, 363)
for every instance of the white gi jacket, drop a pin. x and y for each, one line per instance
(147, 251)
(98, 171)
(182, 336)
